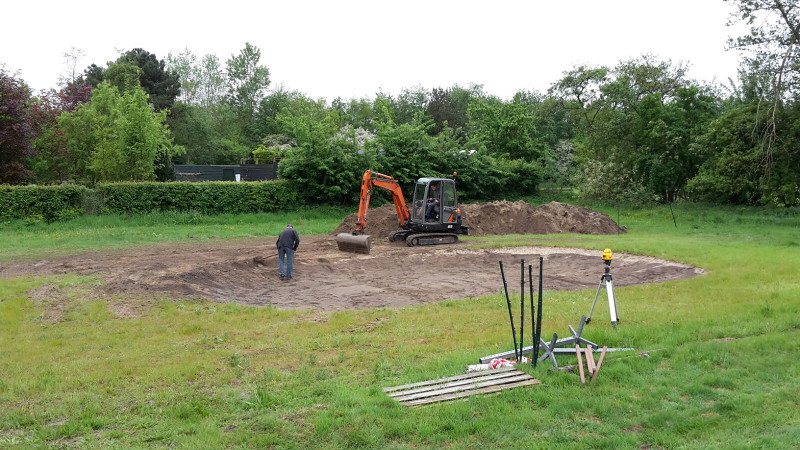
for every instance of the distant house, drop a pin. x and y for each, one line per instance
(248, 172)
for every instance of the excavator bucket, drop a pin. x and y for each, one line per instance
(356, 243)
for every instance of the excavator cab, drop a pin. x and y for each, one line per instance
(435, 206)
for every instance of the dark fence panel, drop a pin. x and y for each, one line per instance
(200, 172)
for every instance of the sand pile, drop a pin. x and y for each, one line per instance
(501, 218)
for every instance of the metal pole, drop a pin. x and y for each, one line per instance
(602, 278)
(533, 311)
(538, 317)
(521, 308)
(673, 215)
(508, 302)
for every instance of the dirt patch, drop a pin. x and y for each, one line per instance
(501, 217)
(726, 339)
(393, 275)
(370, 326)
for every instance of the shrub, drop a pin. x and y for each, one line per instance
(484, 177)
(49, 203)
(213, 197)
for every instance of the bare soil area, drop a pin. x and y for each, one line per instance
(393, 275)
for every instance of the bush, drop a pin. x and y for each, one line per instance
(484, 177)
(329, 176)
(213, 197)
(48, 203)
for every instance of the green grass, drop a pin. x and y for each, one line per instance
(24, 239)
(204, 375)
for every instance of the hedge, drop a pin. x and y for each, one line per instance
(49, 203)
(66, 201)
(212, 197)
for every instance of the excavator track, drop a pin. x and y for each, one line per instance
(431, 239)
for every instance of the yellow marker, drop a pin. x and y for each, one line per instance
(607, 255)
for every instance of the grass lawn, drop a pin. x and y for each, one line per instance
(206, 375)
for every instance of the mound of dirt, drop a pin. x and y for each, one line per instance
(501, 217)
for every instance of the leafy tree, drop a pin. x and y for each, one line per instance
(411, 103)
(504, 129)
(123, 76)
(448, 107)
(247, 80)
(360, 113)
(209, 135)
(17, 129)
(186, 67)
(142, 69)
(309, 122)
(51, 163)
(161, 85)
(774, 47)
(116, 136)
(405, 151)
(266, 118)
(636, 125)
(94, 75)
(212, 81)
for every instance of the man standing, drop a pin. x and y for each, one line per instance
(287, 243)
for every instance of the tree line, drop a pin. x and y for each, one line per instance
(639, 130)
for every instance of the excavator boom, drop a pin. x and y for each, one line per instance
(371, 180)
(359, 242)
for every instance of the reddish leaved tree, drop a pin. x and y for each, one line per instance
(16, 129)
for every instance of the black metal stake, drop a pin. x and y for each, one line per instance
(508, 301)
(521, 309)
(673, 215)
(538, 317)
(533, 312)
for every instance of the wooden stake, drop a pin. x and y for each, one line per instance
(580, 363)
(599, 363)
(589, 360)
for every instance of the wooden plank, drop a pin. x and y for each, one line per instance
(580, 363)
(466, 387)
(444, 380)
(455, 383)
(589, 360)
(599, 363)
(457, 395)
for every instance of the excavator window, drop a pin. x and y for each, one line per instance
(433, 204)
(417, 208)
(449, 195)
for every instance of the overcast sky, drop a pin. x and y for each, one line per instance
(354, 48)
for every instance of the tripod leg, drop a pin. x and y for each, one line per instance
(594, 303)
(612, 303)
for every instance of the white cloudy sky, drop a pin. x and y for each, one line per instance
(354, 48)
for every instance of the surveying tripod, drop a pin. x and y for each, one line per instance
(606, 278)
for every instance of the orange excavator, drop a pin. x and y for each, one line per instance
(433, 218)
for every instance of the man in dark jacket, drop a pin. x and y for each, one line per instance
(287, 243)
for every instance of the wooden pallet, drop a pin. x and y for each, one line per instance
(460, 386)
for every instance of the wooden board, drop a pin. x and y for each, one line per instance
(460, 386)
(445, 380)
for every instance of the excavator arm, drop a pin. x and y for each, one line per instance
(371, 180)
